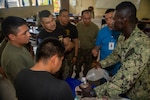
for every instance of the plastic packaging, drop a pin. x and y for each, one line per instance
(97, 73)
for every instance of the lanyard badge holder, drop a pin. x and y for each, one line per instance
(111, 44)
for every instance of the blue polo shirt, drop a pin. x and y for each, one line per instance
(104, 37)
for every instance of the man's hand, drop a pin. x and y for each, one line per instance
(74, 60)
(96, 64)
(87, 90)
(94, 52)
(68, 44)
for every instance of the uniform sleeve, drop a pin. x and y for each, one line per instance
(114, 57)
(14, 66)
(74, 32)
(7, 89)
(2, 46)
(134, 63)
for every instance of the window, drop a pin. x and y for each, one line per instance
(13, 3)
(22, 3)
(2, 4)
(56, 4)
(41, 2)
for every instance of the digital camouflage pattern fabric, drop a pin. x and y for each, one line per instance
(133, 78)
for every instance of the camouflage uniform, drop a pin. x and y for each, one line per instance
(133, 78)
(84, 58)
(67, 65)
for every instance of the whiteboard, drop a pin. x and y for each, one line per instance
(114, 3)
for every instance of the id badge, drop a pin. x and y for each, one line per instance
(111, 46)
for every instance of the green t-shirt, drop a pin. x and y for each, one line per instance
(87, 35)
(14, 59)
(2, 46)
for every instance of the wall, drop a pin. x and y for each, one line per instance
(24, 12)
(143, 11)
(64, 4)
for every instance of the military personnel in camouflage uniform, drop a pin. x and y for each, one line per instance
(133, 51)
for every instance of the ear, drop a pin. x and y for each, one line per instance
(12, 37)
(124, 20)
(53, 60)
(41, 23)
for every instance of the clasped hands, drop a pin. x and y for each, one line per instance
(95, 53)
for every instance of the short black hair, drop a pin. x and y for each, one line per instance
(85, 11)
(63, 10)
(49, 47)
(109, 10)
(44, 13)
(11, 24)
(90, 7)
(131, 8)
